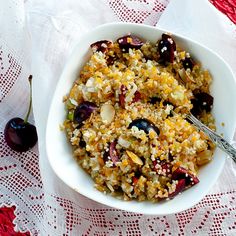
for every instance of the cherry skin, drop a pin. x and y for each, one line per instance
(19, 134)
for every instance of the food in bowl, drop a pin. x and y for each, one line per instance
(126, 118)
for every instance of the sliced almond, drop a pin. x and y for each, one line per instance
(204, 157)
(184, 76)
(107, 113)
(134, 158)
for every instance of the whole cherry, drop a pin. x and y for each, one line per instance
(19, 134)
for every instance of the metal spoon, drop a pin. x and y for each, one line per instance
(216, 138)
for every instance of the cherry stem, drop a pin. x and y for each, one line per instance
(30, 104)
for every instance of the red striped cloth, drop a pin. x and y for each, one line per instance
(228, 7)
(6, 222)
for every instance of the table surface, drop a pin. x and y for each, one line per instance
(228, 7)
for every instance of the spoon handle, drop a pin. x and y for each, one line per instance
(216, 138)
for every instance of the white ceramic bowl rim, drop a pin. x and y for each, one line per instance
(59, 151)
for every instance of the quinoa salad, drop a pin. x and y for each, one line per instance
(125, 118)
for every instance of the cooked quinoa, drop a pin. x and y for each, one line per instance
(120, 122)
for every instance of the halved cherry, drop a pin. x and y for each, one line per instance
(130, 41)
(182, 173)
(154, 164)
(101, 46)
(137, 96)
(180, 186)
(188, 63)
(123, 91)
(111, 60)
(112, 153)
(82, 143)
(165, 167)
(202, 101)
(155, 100)
(134, 180)
(166, 48)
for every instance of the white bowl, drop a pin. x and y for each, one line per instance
(59, 150)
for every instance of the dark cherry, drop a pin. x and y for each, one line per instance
(166, 48)
(188, 63)
(164, 166)
(137, 96)
(19, 134)
(170, 157)
(180, 186)
(167, 167)
(144, 124)
(82, 143)
(185, 179)
(137, 174)
(111, 60)
(134, 180)
(155, 100)
(196, 110)
(83, 111)
(111, 153)
(202, 101)
(123, 91)
(101, 46)
(122, 94)
(182, 173)
(129, 41)
(165, 103)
